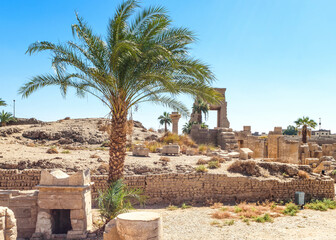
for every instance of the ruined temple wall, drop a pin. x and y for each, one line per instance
(272, 144)
(195, 187)
(204, 136)
(24, 206)
(288, 151)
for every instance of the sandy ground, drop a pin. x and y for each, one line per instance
(195, 224)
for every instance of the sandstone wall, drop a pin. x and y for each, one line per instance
(179, 188)
(24, 206)
(7, 224)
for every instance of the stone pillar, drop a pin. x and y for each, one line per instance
(175, 117)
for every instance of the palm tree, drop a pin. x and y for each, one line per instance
(305, 122)
(2, 102)
(165, 120)
(187, 127)
(142, 59)
(6, 117)
(201, 107)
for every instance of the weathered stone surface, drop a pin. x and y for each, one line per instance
(245, 153)
(171, 149)
(139, 226)
(140, 150)
(8, 229)
(110, 232)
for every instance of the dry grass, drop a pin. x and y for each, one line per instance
(182, 140)
(222, 215)
(218, 158)
(151, 129)
(52, 150)
(217, 205)
(201, 161)
(201, 169)
(165, 159)
(213, 164)
(249, 168)
(153, 146)
(259, 212)
(303, 174)
(94, 156)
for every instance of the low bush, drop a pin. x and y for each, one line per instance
(201, 161)
(65, 152)
(165, 159)
(265, 218)
(218, 158)
(152, 146)
(52, 150)
(321, 205)
(249, 168)
(185, 206)
(221, 215)
(213, 164)
(201, 168)
(172, 208)
(291, 209)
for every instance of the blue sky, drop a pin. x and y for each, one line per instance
(277, 58)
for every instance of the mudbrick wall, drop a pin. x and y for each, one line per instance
(198, 188)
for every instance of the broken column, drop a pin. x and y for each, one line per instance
(175, 117)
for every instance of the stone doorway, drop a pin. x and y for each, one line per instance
(60, 221)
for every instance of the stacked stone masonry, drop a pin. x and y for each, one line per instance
(179, 188)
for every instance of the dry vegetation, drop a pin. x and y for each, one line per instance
(249, 168)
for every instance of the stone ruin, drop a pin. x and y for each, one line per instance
(60, 208)
(8, 229)
(140, 150)
(222, 135)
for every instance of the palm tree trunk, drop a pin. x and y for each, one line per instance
(199, 117)
(166, 127)
(117, 146)
(304, 134)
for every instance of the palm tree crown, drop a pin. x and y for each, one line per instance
(2, 102)
(305, 122)
(142, 58)
(6, 117)
(201, 107)
(165, 120)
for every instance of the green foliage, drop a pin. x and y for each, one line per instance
(200, 106)
(65, 152)
(187, 127)
(117, 199)
(2, 103)
(204, 126)
(201, 168)
(305, 121)
(291, 209)
(6, 117)
(229, 223)
(237, 209)
(165, 120)
(321, 205)
(291, 130)
(185, 206)
(333, 173)
(213, 164)
(172, 208)
(265, 218)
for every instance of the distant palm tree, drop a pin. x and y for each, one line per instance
(6, 117)
(305, 122)
(187, 127)
(2, 102)
(165, 120)
(142, 59)
(201, 107)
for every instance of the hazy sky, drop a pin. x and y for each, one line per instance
(277, 58)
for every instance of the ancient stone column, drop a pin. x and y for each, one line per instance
(175, 117)
(140, 226)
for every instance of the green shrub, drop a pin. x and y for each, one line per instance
(291, 209)
(321, 205)
(172, 208)
(66, 152)
(213, 164)
(117, 199)
(265, 218)
(201, 168)
(237, 209)
(185, 206)
(333, 173)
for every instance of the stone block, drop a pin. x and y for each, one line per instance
(233, 154)
(110, 232)
(140, 150)
(171, 149)
(245, 153)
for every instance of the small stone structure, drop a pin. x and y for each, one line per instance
(140, 150)
(64, 205)
(175, 117)
(8, 229)
(171, 149)
(136, 225)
